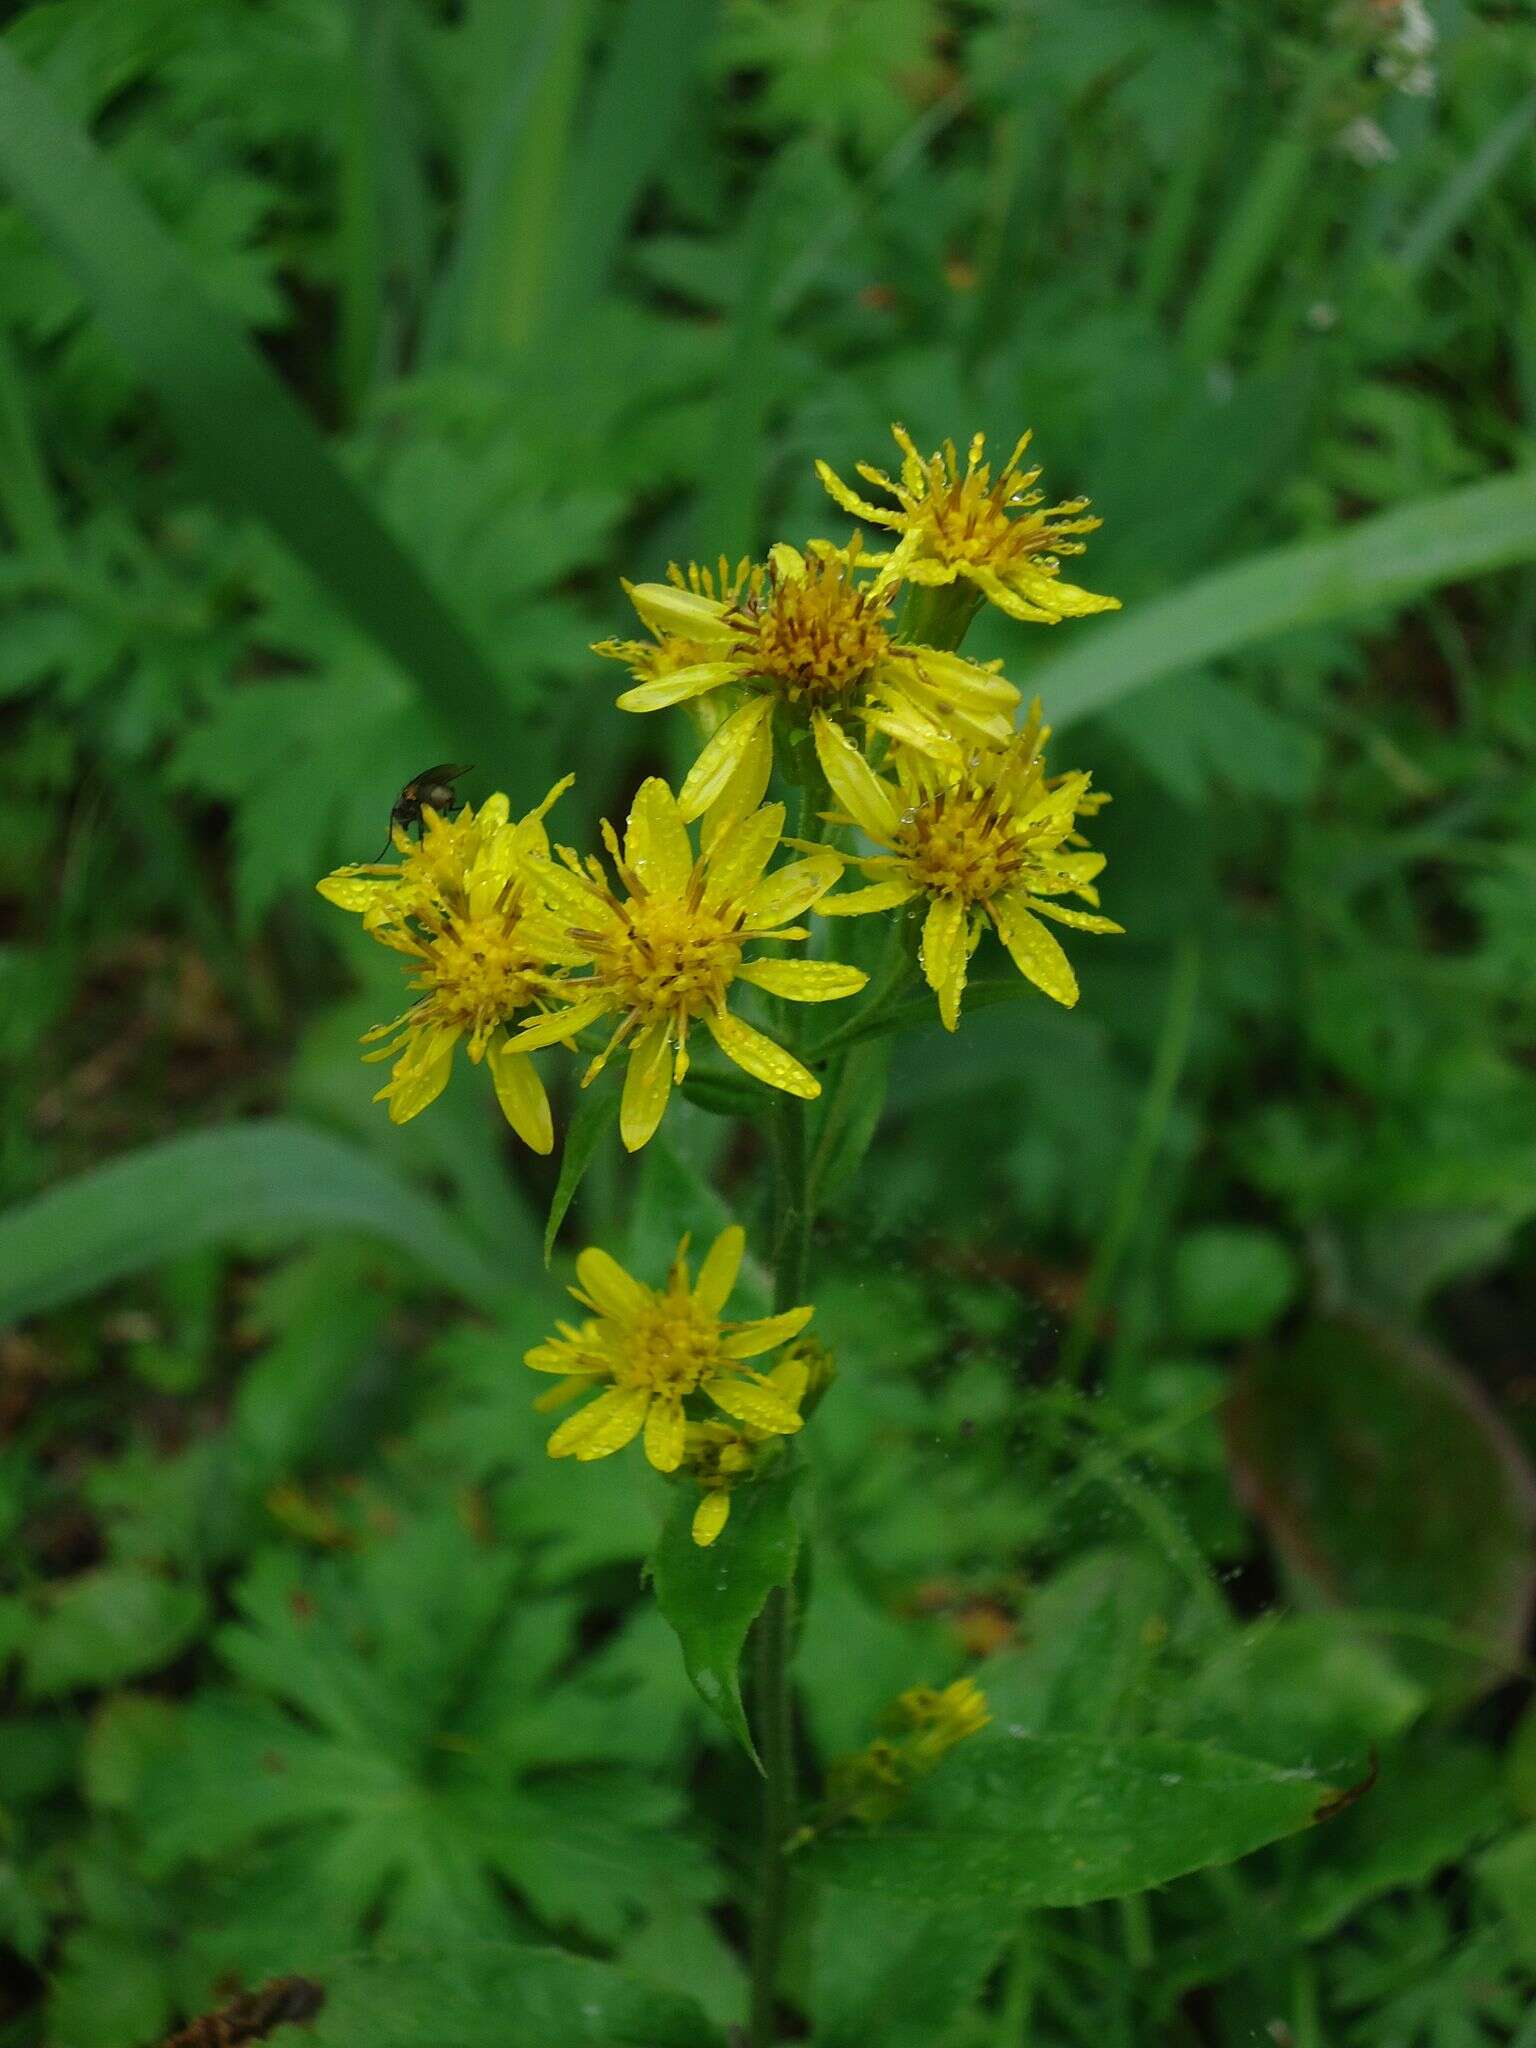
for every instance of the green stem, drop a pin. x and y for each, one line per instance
(776, 1746)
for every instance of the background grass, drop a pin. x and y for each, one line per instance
(349, 353)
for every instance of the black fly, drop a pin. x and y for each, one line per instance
(433, 787)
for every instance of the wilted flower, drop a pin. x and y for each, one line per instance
(925, 1724)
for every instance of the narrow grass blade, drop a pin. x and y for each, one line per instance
(1377, 563)
(653, 56)
(237, 422)
(272, 1181)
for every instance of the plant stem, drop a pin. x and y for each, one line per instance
(776, 1745)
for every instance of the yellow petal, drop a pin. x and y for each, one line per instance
(755, 1404)
(724, 752)
(760, 1057)
(647, 1085)
(745, 790)
(656, 844)
(570, 1389)
(559, 1024)
(1066, 600)
(857, 787)
(860, 508)
(521, 1095)
(420, 1076)
(1035, 952)
(711, 1516)
(610, 1290)
(804, 981)
(751, 1340)
(357, 888)
(686, 613)
(790, 890)
(664, 1433)
(695, 681)
(945, 951)
(856, 902)
(604, 1426)
(717, 1275)
(739, 855)
(1080, 920)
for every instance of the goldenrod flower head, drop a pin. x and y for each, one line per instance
(463, 906)
(654, 1349)
(994, 840)
(938, 1719)
(925, 1724)
(720, 1455)
(666, 951)
(997, 534)
(806, 637)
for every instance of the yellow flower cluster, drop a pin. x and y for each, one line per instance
(924, 1725)
(516, 946)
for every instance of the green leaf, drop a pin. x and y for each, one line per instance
(597, 1109)
(109, 1625)
(1431, 1803)
(253, 443)
(1381, 562)
(485, 1995)
(890, 1971)
(653, 54)
(1387, 1483)
(1508, 1873)
(273, 1180)
(1230, 1280)
(712, 1596)
(1052, 1820)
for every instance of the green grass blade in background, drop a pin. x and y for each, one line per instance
(275, 1180)
(1379, 562)
(495, 283)
(237, 422)
(645, 88)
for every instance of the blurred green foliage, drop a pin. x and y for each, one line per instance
(340, 380)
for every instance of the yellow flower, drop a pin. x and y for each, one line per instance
(993, 534)
(652, 1349)
(666, 952)
(988, 841)
(463, 908)
(940, 1719)
(803, 637)
(720, 1455)
(925, 1724)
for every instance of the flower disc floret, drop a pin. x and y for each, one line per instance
(805, 636)
(665, 948)
(653, 1350)
(996, 533)
(994, 841)
(464, 908)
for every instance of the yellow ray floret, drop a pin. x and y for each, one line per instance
(802, 636)
(925, 1723)
(665, 952)
(994, 533)
(995, 841)
(721, 1455)
(464, 908)
(652, 1349)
